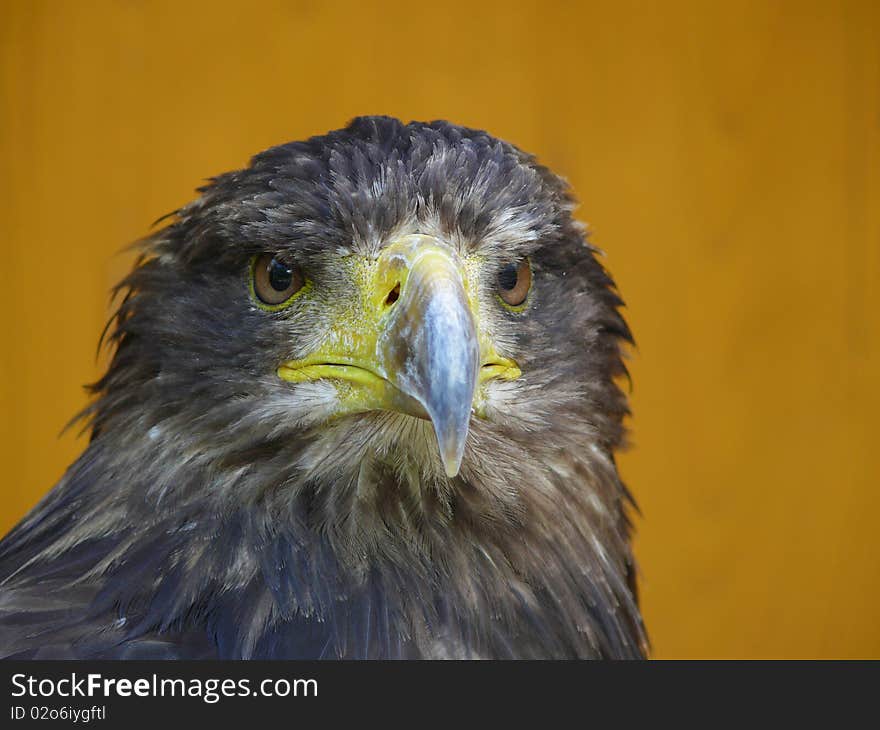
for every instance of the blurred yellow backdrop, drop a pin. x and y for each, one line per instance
(726, 155)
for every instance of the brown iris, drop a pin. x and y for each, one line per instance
(514, 282)
(275, 281)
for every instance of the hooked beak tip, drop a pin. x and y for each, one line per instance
(451, 462)
(451, 432)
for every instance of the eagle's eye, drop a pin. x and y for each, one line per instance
(514, 282)
(275, 281)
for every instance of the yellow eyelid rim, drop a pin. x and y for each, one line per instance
(519, 307)
(307, 285)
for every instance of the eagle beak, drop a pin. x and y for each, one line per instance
(428, 348)
(408, 343)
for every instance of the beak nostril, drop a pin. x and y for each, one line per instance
(393, 295)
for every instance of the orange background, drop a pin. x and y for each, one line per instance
(727, 158)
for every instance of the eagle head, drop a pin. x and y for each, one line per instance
(363, 400)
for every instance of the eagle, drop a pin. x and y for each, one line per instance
(363, 402)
